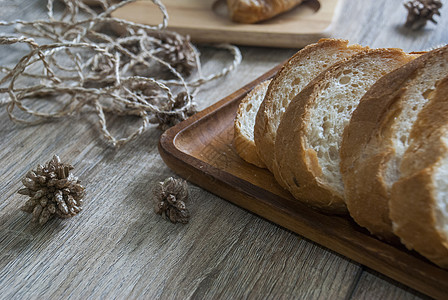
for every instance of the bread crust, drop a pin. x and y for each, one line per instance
(301, 176)
(413, 205)
(367, 148)
(253, 11)
(298, 164)
(244, 146)
(416, 228)
(266, 123)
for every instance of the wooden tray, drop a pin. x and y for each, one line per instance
(200, 150)
(206, 21)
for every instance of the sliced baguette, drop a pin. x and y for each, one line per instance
(243, 139)
(377, 137)
(418, 204)
(310, 133)
(300, 69)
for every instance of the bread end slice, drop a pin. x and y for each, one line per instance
(243, 139)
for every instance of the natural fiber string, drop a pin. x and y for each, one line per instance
(73, 56)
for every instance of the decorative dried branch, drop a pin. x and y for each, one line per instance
(145, 71)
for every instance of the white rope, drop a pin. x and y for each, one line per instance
(71, 55)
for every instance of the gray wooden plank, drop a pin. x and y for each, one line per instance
(117, 247)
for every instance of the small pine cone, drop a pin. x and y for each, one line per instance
(170, 117)
(420, 12)
(178, 52)
(53, 191)
(170, 197)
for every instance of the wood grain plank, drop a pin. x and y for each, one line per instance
(204, 24)
(201, 150)
(118, 248)
(370, 282)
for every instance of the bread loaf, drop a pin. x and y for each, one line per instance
(418, 204)
(243, 139)
(300, 69)
(309, 136)
(378, 136)
(253, 11)
(370, 131)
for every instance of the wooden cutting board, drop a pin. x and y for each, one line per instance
(200, 150)
(207, 21)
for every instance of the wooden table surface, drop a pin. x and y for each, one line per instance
(119, 248)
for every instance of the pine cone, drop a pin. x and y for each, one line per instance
(53, 191)
(421, 11)
(176, 50)
(171, 196)
(170, 118)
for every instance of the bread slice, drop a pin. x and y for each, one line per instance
(249, 11)
(297, 72)
(377, 137)
(243, 139)
(418, 204)
(310, 133)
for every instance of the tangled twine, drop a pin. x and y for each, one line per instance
(79, 62)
